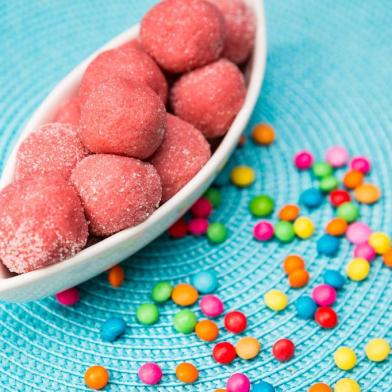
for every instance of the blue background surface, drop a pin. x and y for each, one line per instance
(328, 82)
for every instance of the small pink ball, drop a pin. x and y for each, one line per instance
(202, 208)
(303, 160)
(238, 382)
(150, 373)
(324, 295)
(263, 231)
(198, 226)
(361, 164)
(337, 156)
(68, 297)
(358, 233)
(365, 251)
(211, 306)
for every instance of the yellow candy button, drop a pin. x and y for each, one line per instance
(242, 176)
(303, 227)
(345, 358)
(347, 385)
(380, 242)
(377, 350)
(276, 300)
(358, 269)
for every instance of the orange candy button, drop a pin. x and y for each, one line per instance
(184, 294)
(96, 377)
(186, 372)
(367, 193)
(116, 276)
(387, 258)
(353, 179)
(320, 387)
(289, 212)
(298, 278)
(292, 263)
(206, 330)
(263, 134)
(336, 227)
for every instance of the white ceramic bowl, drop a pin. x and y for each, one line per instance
(110, 251)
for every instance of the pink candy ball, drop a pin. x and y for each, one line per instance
(238, 382)
(211, 306)
(263, 231)
(150, 373)
(202, 208)
(358, 233)
(365, 251)
(361, 164)
(324, 295)
(303, 160)
(337, 156)
(198, 226)
(68, 297)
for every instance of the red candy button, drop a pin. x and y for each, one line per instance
(338, 197)
(224, 353)
(326, 317)
(235, 321)
(283, 349)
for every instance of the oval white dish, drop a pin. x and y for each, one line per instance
(110, 251)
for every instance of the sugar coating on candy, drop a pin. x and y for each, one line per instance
(210, 97)
(131, 45)
(41, 223)
(183, 34)
(240, 25)
(123, 119)
(125, 62)
(68, 112)
(53, 148)
(183, 152)
(117, 192)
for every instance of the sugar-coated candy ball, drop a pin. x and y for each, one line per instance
(41, 223)
(338, 197)
(292, 263)
(183, 152)
(358, 233)
(184, 294)
(178, 229)
(326, 317)
(205, 282)
(289, 212)
(238, 382)
(187, 372)
(334, 279)
(324, 295)
(345, 358)
(377, 350)
(242, 176)
(185, 321)
(68, 112)
(361, 164)
(303, 160)
(214, 196)
(116, 276)
(263, 386)
(207, 330)
(387, 258)
(352, 179)
(216, 232)
(133, 117)
(53, 148)
(117, 192)
(240, 26)
(322, 169)
(320, 387)
(367, 193)
(263, 231)
(284, 231)
(303, 227)
(380, 242)
(235, 321)
(150, 373)
(336, 227)
(211, 306)
(202, 208)
(263, 134)
(133, 65)
(283, 349)
(337, 156)
(96, 377)
(224, 353)
(68, 297)
(365, 251)
(198, 226)
(298, 278)
(261, 206)
(247, 347)
(276, 300)
(328, 184)
(305, 307)
(328, 245)
(161, 292)
(358, 269)
(210, 97)
(112, 329)
(347, 385)
(348, 211)
(147, 314)
(179, 47)
(311, 198)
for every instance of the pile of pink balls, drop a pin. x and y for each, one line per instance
(113, 152)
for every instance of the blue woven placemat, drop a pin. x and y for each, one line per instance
(328, 82)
